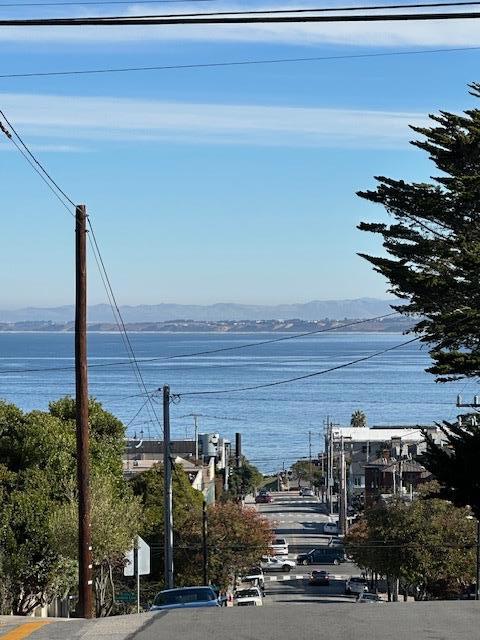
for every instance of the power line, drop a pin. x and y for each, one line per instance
(121, 325)
(59, 192)
(148, 20)
(27, 157)
(239, 63)
(211, 351)
(138, 413)
(297, 378)
(36, 161)
(105, 283)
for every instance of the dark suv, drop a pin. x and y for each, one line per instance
(323, 555)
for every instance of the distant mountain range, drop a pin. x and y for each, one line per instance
(309, 311)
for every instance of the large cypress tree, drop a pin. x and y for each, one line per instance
(433, 243)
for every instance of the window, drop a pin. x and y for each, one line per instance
(184, 596)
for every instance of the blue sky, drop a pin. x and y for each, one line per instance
(225, 184)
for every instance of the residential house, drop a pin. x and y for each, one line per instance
(199, 459)
(362, 445)
(387, 475)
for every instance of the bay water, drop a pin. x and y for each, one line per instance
(392, 389)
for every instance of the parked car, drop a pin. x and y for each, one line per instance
(356, 585)
(319, 578)
(251, 597)
(279, 547)
(323, 555)
(331, 528)
(369, 597)
(263, 498)
(185, 598)
(255, 576)
(272, 563)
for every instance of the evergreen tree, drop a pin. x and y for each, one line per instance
(455, 465)
(433, 244)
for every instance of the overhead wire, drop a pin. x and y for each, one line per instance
(233, 63)
(121, 324)
(129, 423)
(220, 19)
(26, 156)
(36, 161)
(219, 349)
(296, 378)
(112, 303)
(48, 179)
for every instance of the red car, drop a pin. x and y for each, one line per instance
(263, 498)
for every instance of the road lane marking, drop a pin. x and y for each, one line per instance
(24, 630)
(300, 576)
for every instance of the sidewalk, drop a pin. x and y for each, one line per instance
(19, 627)
(116, 627)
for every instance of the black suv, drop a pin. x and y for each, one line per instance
(323, 555)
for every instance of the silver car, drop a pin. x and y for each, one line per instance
(185, 598)
(370, 598)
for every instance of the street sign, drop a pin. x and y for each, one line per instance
(126, 596)
(143, 559)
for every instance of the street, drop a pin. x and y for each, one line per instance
(300, 521)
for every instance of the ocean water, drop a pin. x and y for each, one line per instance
(275, 422)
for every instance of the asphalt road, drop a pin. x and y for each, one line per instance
(300, 520)
(349, 621)
(325, 612)
(332, 621)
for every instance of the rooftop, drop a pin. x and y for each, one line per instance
(379, 434)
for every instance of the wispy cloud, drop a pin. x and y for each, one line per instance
(49, 148)
(100, 119)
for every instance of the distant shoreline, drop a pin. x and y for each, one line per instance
(388, 325)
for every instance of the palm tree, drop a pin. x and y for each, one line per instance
(358, 419)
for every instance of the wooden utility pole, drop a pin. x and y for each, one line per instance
(342, 511)
(238, 450)
(195, 416)
(167, 491)
(85, 600)
(205, 541)
(477, 585)
(310, 465)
